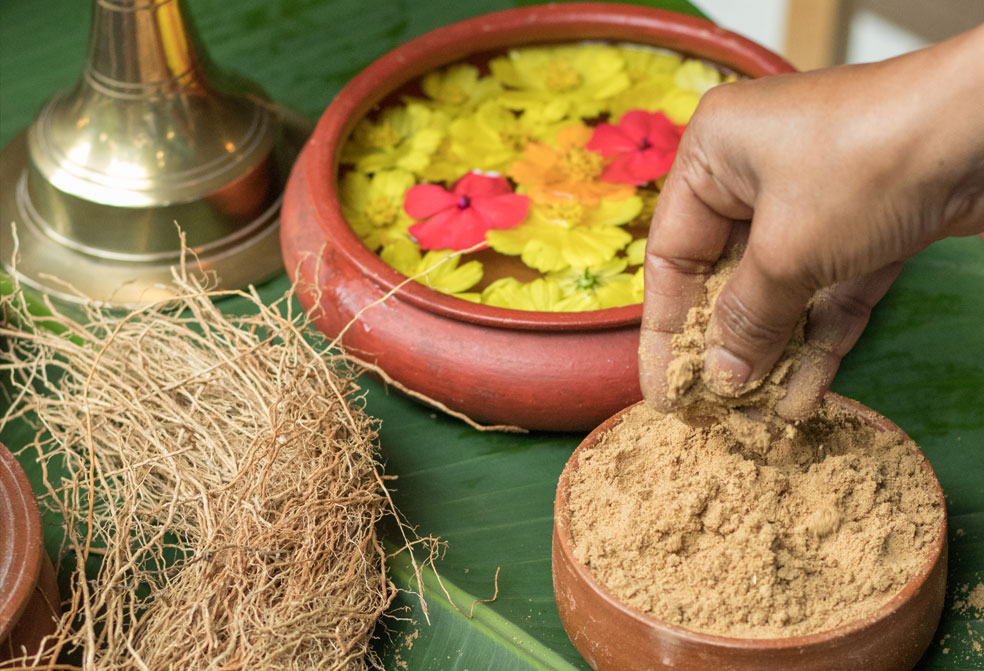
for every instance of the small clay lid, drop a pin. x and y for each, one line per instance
(20, 550)
(29, 597)
(614, 637)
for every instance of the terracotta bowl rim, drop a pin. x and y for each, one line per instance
(17, 506)
(568, 21)
(562, 538)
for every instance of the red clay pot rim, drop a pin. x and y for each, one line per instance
(528, 25)
(21, 552)
(563, 537)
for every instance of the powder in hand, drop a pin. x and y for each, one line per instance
(696, 528)
(749, 410)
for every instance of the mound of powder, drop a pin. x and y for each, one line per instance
(695, 527)
(748, 410)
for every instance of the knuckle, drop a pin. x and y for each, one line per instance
(693, 157)
(836, 321)
(712, 101)
(695, 160)
(850, 306)
(785, 260)
(736, 322)
(678, 264)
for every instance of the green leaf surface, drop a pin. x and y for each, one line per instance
(920, 362)
(464, 632)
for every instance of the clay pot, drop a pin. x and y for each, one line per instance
(614, 637)
(29, 598)
(539, 370)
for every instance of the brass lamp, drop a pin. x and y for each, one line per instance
(150, 140)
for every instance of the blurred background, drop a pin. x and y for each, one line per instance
(818, 33)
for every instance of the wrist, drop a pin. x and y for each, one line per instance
(945, 129)
(962, 133)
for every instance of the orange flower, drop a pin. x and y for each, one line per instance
(567, 171)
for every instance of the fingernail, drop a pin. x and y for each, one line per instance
(724, 373)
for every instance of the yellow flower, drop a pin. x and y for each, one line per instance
(548, 116)
(541, 294)
(696, 76)
(578, 78)
(373, 206)
(678, 105)
(645, 95)
(651, 73)
(459, 88)
(590, 278)
(404, 136)
(550, 247)
(662, 83)
(606, 282)
(445, 165)
(649, 196)
(618, 293)
(491, 138)
(642, 63)
(635, 253)
(638, 285)
(691, 80)
(567, 171)
(558, 235)
(438, 269)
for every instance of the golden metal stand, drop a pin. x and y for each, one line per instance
(151, 139)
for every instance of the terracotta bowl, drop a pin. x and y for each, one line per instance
(539, 370)
(29, 596)
(614, 637)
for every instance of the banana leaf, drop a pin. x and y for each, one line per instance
(489, 496)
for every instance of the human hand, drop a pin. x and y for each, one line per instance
(844, 174)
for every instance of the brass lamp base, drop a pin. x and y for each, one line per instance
(73, 273)
(151, 153)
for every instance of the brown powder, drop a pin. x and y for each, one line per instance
(700, 530)
(974, 600)
(748, 410)
(748, 525)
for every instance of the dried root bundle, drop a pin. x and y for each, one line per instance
(223, 473)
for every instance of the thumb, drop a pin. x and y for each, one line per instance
(753, 319)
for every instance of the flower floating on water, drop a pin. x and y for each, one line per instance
(663, 82)
(562, 234)
(458, 219)
(644, 145)
(575, 80)
(568, 171)
(606, 282)
(635, 253)
(402, 137)
(638, 285)
(459, 87)
(644, 64)
(373, 205)
(541, 294)
(696, 76)
(438, 269)
(493, 136)
(555, 155)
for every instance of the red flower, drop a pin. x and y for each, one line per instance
(644, 145)
(459, 219)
